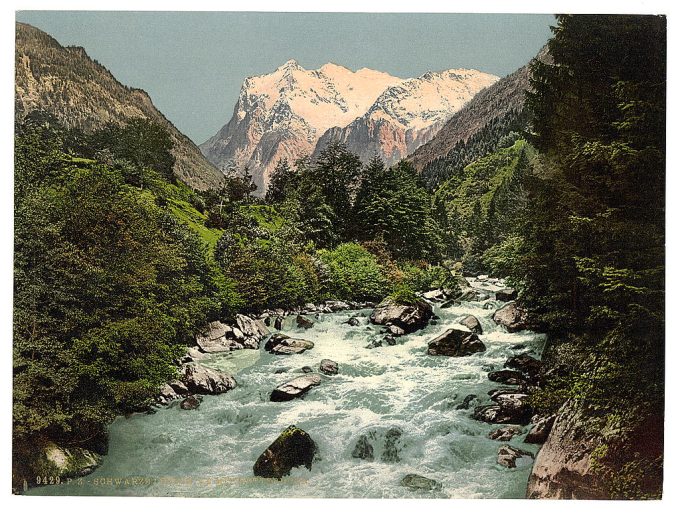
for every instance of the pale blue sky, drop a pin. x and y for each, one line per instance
(193, 63)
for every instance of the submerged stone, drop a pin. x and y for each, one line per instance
(417, 482)
(363, 449)
(392, 449)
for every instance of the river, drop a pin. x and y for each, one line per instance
(211, 451)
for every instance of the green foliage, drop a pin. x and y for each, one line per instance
(482, 207)
(351, 272)
(144, 143)
(591, 260)
(108, 288)
(403, 295)
(500, 132)
(393, 206)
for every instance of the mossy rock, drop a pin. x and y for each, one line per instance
(62, 462)
(293, 448)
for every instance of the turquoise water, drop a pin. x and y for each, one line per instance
(211, 451)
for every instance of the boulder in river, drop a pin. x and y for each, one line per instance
(392, 446)
(511, 317)
(66, 462)
(295, 388)
(219, 337)
(336, 306)
(504, 434)
(539, 432)
(455, 342)
(524, 363)
(510, 408)
(417, 482)
(253, 330)
(363, 449)
(472, 323)
(202, 380)
(328, 367)
(303, 322)
(410, 317)
(279, 343)
(435, 295)
(354, 321)
(506, 294)
(293, 448)
(215, 338)
(192, 402)
(396, 331)
(507, 377)
(512, 457)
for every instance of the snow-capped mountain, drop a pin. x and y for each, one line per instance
(285, 114)
(407, 115)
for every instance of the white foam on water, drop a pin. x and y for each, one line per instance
(214, 448)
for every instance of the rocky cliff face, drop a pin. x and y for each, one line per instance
(80, 93)
(563, 468)
(286, 113)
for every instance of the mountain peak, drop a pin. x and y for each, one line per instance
(286, 113)
(290, 65)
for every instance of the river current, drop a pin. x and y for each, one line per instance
(211, 451)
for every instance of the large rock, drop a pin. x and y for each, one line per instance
(279, 343)
(507, 377)
(190, 403)
(295, 388)
(512, 457)
(511, 317)
(219, 337)
(392, 446)
(504, 434)
(251, 328)
(336, 306)
(455, 342)
(506, 294)
(202, 380)
(410, 318)
(525, 364)
(437, 295)
(303, 322)
(293, 448)
(564, 468)
(417, 482)
(510, 408)
(539, 432)
(328, 367)
(215, 338)
(66, 462)
(472, 323)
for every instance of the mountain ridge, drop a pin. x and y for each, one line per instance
(81, 93)
(286, 114)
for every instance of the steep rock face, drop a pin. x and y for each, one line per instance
(81, 93)
(491, 104)
(283, 114)
(409, 114)
(563, 468)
